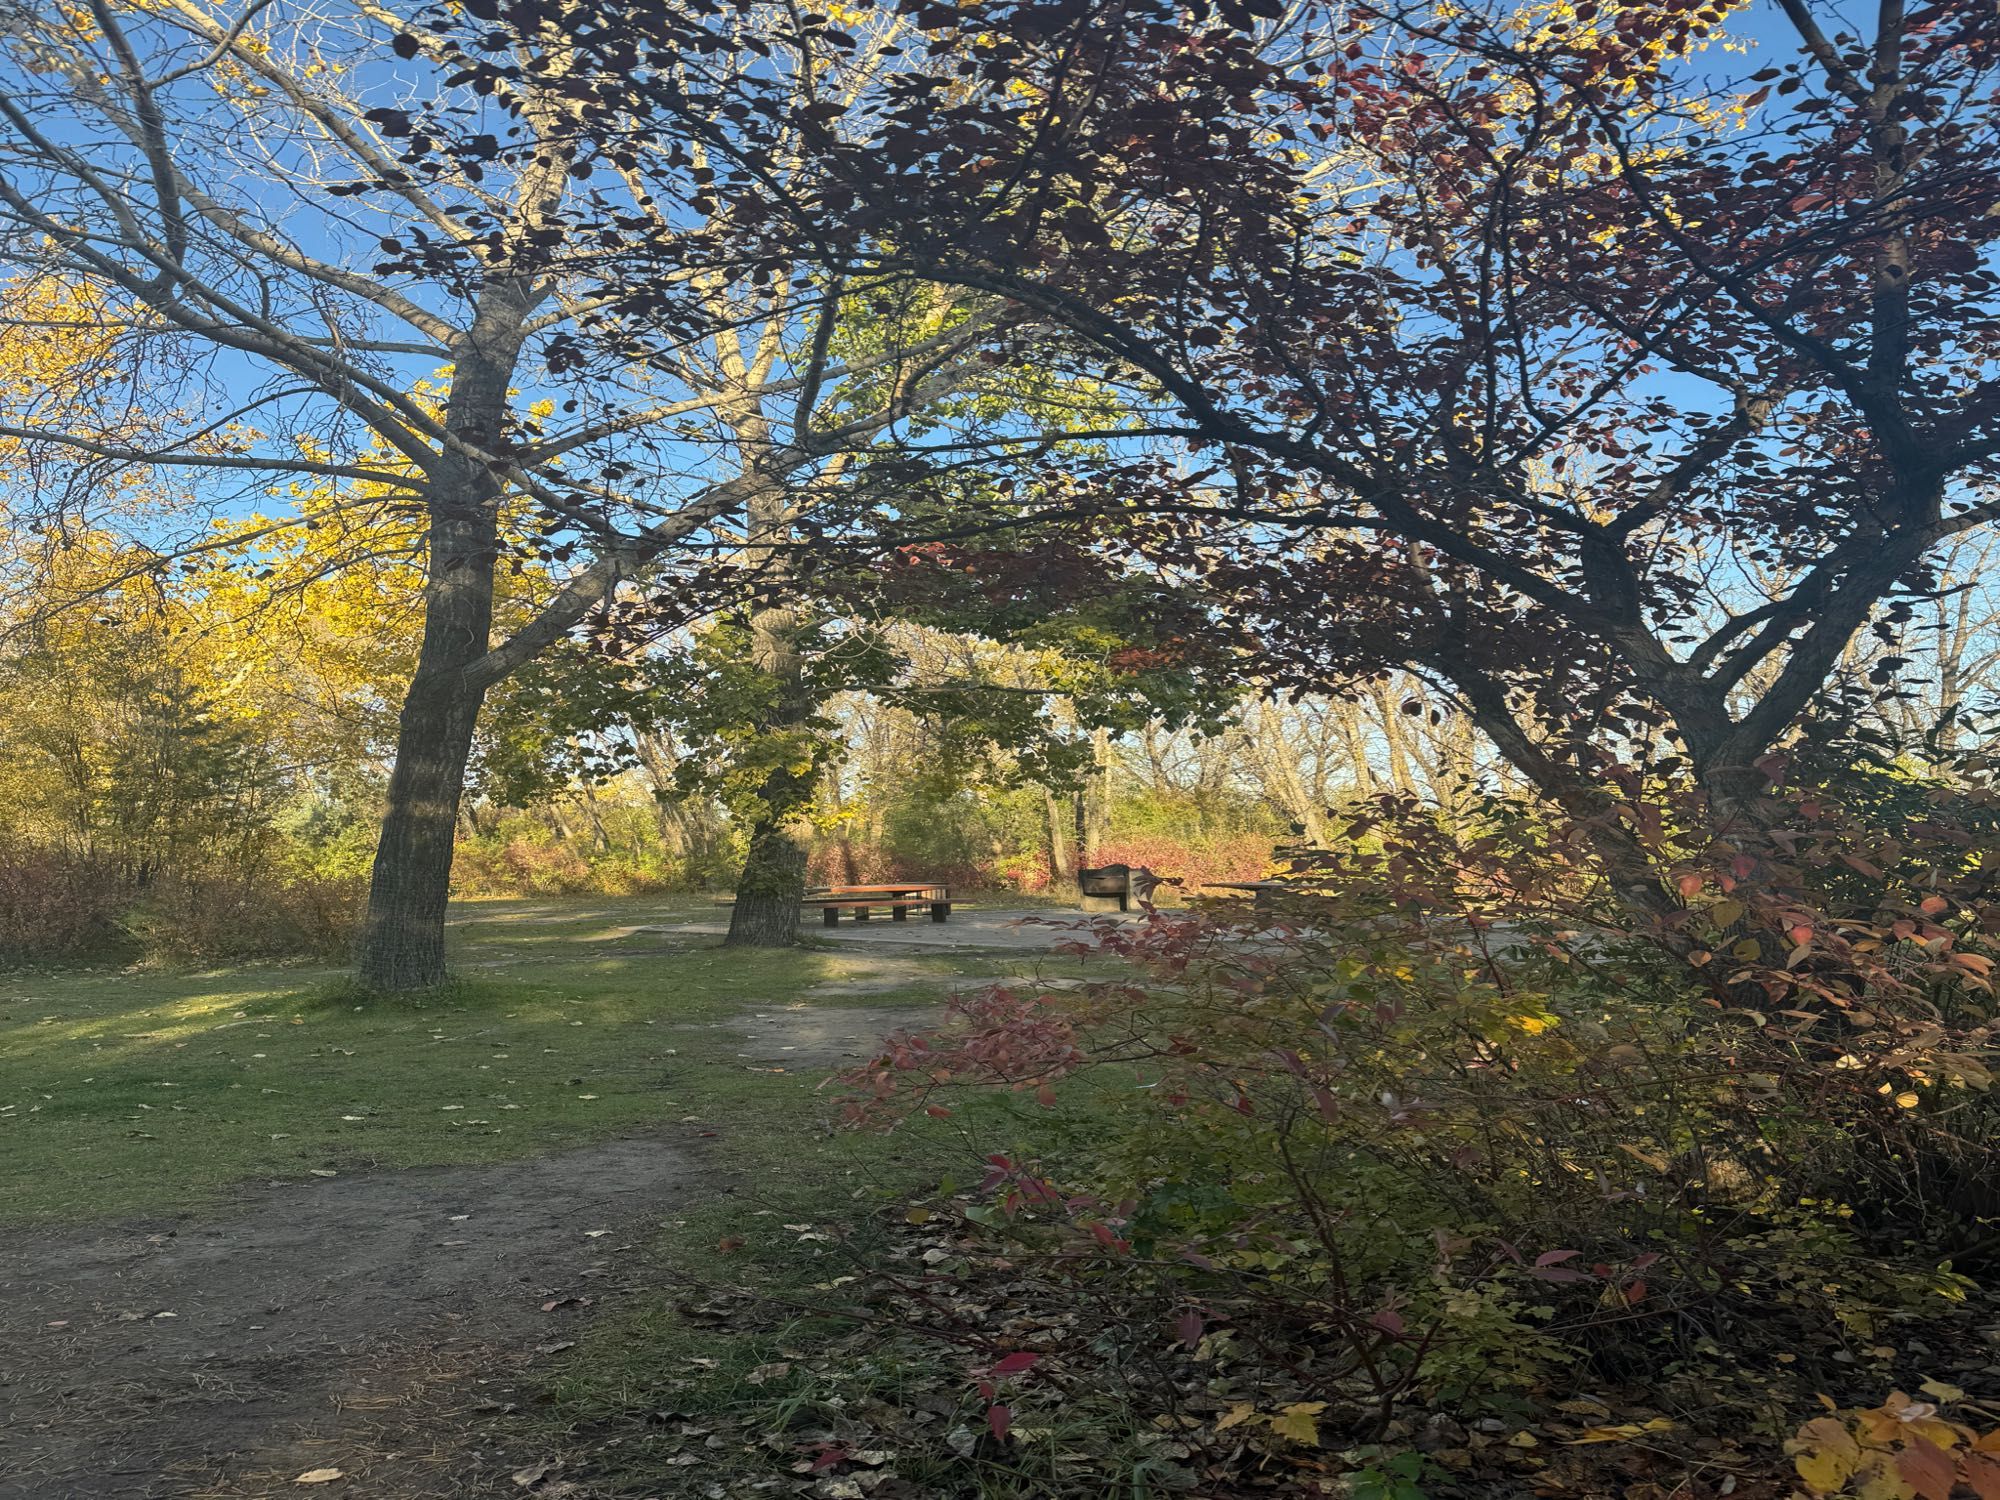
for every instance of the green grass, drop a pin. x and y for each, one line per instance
(126, 1093)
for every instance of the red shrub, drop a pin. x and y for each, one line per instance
(1244, 856)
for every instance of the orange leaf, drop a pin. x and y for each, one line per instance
(1927, 1469)
(1982, 1474)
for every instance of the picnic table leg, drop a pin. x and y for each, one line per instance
(940, 910)
(899, 914)
(860, 913)
(830, 915)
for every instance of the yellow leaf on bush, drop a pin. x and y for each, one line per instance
(1299, 1422)
(1726, 913)
(1878, 1478)
(1825, 1454)
(1241, 1412)
(1966, 1072)
(1652, 1159)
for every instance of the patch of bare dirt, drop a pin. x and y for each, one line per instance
(384, 1325)
(184, 1358)
(823, 1038)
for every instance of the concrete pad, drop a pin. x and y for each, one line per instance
(1031, 928)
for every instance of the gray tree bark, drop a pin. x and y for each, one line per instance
(773, 882)
(402, 935)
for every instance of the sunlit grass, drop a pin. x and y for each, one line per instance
(124, 1093)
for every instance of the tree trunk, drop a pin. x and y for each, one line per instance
(600, 836)
(1347, 715)
(1400, 777)
(1283, 778)
(773, 883)
(1062, 862)
(768, 893)
(402, 938)
(1094, 799)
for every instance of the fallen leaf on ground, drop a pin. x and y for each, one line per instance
(1622, 1432)
(319, 1476)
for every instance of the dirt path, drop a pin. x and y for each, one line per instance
(181, 1358)
(360, 1323)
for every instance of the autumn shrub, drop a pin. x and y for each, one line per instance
(1194, 861)
(532, 861)
(519, 864)
(832, 864)
(229, 916)
(1029, 872)
(57, 907)
(1387, 1159)
(635, 872)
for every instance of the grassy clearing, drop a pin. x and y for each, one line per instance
(129, 1093)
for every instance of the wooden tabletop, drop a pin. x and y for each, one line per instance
(892, 889)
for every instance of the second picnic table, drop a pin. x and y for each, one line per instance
(898, 895)
(1264, 892)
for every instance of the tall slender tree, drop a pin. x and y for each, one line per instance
(346, 261)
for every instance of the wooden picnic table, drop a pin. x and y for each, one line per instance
(898, 895)
(1264, 892)
(885, 888)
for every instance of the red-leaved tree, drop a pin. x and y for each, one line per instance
(1610, 377)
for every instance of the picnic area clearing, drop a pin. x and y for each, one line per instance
(253, 1226)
